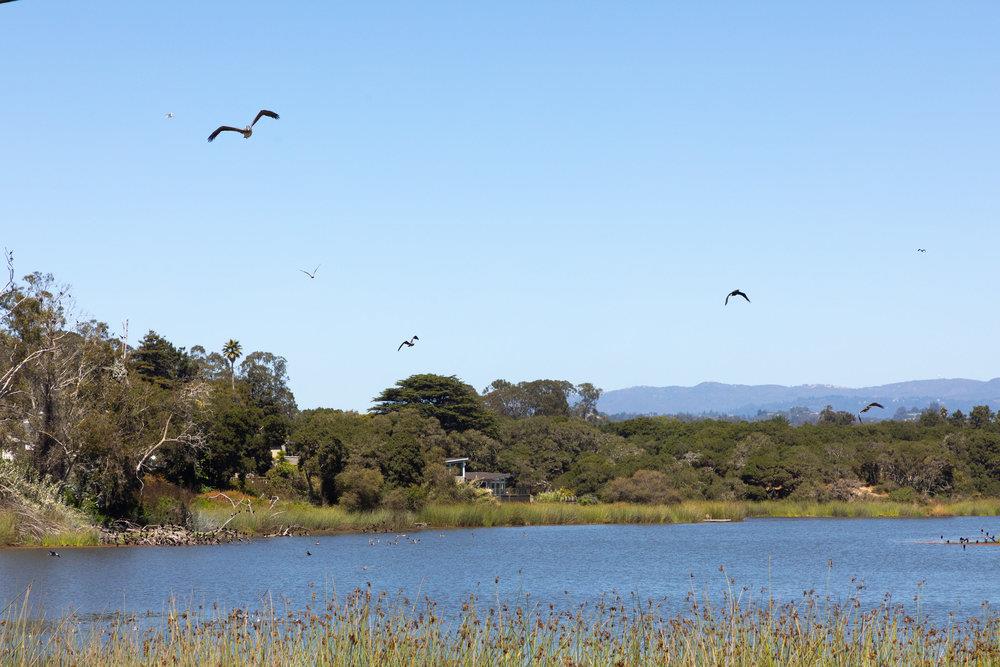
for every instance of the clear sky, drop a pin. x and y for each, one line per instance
(537, 189)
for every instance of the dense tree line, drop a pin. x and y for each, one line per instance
(110, 422)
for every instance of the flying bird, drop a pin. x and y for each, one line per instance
(168, 115)
(868, 407)
(246, 131)
(407, 343)
(921, 249)
(735, 293)
(313, 274)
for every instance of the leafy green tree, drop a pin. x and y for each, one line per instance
(770, 475)
(209, 366)
(232, 351)
(157, 360)
(316, 437)
(829, 416)
(454, 404)
(266, 377)
(230, 424)
(542, 398)
(957, 418)
(980, 416)
(405, 439)
(586, 406)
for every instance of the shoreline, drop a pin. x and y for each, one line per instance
(308, 520)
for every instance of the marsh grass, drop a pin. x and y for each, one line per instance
(264, 520)
(367, 629)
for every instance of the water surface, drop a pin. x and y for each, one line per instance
(559, 564)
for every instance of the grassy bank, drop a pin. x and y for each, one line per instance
(363, 629)
(34, 513)
(264, 520)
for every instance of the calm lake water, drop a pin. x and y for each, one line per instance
(561, 564)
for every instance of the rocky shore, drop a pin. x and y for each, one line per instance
(172, 536)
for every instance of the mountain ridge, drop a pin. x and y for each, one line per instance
(747, 400)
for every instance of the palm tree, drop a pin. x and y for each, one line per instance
(232, 351)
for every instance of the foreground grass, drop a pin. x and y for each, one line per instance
(364, 629)
(260, 519)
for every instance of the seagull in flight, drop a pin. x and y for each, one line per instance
(246, 131)
(407, 343)
(168, 115)
(735, 293)
(921, 249)
(313, 274)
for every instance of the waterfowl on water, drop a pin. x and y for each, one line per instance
(247, 131)
(54, 554)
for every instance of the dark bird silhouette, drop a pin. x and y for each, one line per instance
(868, 407)
(308, 553)
(313, 274)
(247, 131)
(735, 293)
(407, 343)
(921, 249)
(53, 554)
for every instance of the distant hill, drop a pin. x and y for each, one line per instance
(747, 400)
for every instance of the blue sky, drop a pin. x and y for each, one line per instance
(560, 189)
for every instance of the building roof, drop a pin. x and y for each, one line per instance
(486, 476)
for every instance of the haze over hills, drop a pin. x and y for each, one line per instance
(748, 400)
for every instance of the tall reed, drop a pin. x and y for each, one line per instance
(367, 629)
(265, 520)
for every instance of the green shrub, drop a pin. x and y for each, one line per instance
(645, 486)
(410, 499)
(557, 496)
(360, 488)
(905, 494)
(162, 502)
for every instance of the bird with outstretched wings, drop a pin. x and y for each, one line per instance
(247, 131)
(735, 293)
(407, 343)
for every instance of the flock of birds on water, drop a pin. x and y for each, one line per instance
(985, 538)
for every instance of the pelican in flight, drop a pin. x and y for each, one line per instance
(407, 343)
(736, 293)
(246, 131)
(313, 274)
